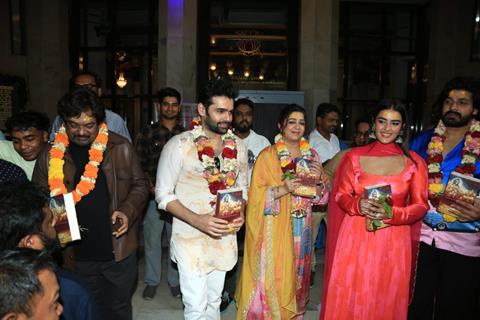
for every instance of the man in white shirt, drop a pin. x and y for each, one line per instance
(255, 143)
(327, 145)
(242, 123)
(323, 138)
(204, 247)
(29, 133)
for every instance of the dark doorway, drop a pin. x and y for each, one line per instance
(382, 54)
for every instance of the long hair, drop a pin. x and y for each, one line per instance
(397, 105)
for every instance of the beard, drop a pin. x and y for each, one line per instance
(214, 127)
(242, 127)
(51, 245)
(455, 122)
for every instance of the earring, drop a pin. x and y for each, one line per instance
(399, 139)
(372, 135)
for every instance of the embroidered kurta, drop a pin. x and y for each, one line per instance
(180, 177)
(367, 274)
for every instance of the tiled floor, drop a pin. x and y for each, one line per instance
(166, 307)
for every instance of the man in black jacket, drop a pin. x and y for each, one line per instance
(109, 188)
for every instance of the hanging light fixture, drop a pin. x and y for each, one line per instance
(121, 81)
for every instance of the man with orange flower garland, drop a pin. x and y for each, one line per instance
(448, 279)
(109, 188)
(193, 166)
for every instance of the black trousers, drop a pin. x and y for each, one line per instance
(447, 286)
(112, 284)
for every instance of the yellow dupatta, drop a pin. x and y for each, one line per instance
(276, 235)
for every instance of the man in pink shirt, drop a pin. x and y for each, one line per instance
(448, 268)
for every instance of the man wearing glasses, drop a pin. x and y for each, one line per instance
(149, 144)
(93, 82)
(362, 130)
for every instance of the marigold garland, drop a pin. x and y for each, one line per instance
(470, 154)
(287, 163)
(89, 176)
(196, 122)
(217, 179)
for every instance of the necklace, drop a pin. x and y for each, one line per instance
(217, 179)
(89, 176)
(470, 154)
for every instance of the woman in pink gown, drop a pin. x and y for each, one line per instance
(368, 273)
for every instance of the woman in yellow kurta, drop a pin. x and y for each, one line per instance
(276, 266)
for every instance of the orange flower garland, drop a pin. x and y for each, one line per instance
(470, 155)
(56, 162)
(287, 163)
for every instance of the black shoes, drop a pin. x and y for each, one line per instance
(149, 292)
(175, 291)
(226, 300)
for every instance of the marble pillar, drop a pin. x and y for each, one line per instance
(177, 56)
(47, 53)
(318, 62)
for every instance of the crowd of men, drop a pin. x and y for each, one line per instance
(118, 186)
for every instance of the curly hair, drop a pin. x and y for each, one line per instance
(79, 101)
(469, 84)
(217, 88)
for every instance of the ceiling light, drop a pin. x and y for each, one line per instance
(121, 81)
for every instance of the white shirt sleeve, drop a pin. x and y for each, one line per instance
(315, 142)
(168, 171)
(265, 143)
